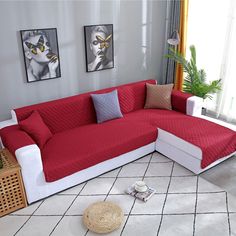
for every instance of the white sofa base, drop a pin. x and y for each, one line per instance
(37, 188)
(183, 152)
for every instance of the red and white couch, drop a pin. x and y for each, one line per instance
(81, 149)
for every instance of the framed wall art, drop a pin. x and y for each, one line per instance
(99, 47)
(41, 54)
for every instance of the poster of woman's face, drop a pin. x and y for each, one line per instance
(99, 47)
(41, 54)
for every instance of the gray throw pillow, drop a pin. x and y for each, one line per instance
(107, 106)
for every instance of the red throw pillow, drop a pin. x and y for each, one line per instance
(36, 128)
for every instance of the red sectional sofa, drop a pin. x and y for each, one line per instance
(81, 149)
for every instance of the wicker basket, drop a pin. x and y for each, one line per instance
(12, 193)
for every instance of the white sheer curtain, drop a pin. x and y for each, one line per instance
(212, 29)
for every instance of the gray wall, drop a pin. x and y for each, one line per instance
(139, 35)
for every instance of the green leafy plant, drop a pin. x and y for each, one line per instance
(195, 80)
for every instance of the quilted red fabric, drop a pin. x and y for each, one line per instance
(179, 100)
(13, 138)
(68, 113)
(36, 128)
(76, 149)
(215, 141)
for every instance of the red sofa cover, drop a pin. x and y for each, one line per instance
(79, 142)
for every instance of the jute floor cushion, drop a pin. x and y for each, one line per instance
(103, 217)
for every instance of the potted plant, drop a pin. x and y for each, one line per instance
(195, 80)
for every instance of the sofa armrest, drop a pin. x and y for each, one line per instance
(6, 123)
(179, 101)
(186, 103)
(29, 158)
(194, 106)
(12, 121)
(14, 138)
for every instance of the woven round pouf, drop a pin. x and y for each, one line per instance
(103, 217)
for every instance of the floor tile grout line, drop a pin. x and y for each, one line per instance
(148, 176)
(147, 167)
(113, 183)
(160, 193)
(28, 218)
(135, 198)
(195, 208)
(162, 211)
(67, 210)
(192, 213)
(143, 162)
(86, 232)
(200, 213)
(227, 208)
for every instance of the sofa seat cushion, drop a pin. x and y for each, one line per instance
(215, 141)
(76, 149)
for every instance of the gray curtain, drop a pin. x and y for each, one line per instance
(173, 22)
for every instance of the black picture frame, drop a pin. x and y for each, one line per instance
(41, 54)
(99, 47)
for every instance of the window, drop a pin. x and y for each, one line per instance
(212, 29)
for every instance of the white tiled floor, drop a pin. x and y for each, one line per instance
(183, 184)
(160, 183)
(124, 201)
(121, 184)
(70, 226)
(9, 225)
(142, 225)
(159, 169)
(82, 202)
(97, 186)
(233, 223)
(184, 205)
(205, 186)
(133, 170)
(180, 203)
(39, 225)
(212, 224)
(217, 202)
(53, 205)
(181, 171)
(177, 225)
(152, 206)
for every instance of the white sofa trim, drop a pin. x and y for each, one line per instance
(36, 187)
(183, 152)
(194, 106)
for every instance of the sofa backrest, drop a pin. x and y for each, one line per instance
(70, 112)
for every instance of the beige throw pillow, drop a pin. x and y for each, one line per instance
(159, 96)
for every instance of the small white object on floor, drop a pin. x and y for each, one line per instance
(142, 195)
(140, 186)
